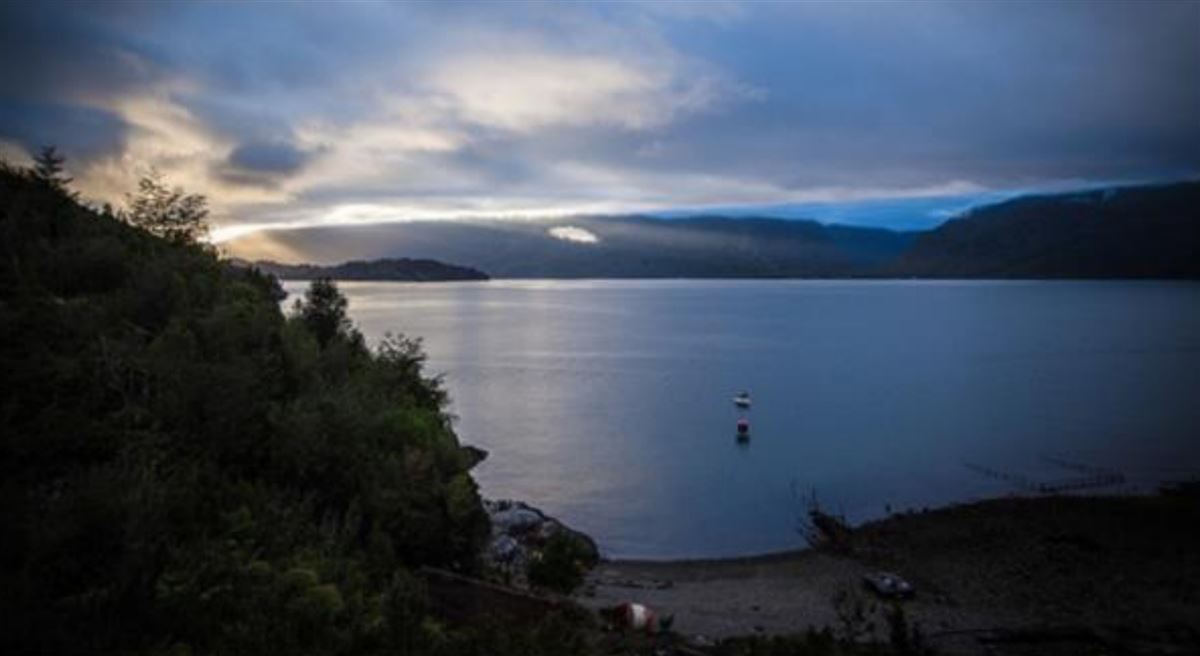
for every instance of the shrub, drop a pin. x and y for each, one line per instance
(560, 565)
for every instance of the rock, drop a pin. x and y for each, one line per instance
(503, 548)
(517, 520)
(519, 532)
(473, 455)
(548, 529)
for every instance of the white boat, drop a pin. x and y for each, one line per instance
(742, 400)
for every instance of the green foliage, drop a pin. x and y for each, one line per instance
(560, 565)
(186, 470)
(323, 312)
(166, 211)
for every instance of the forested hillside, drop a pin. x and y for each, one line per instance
(1150, 231)
(403, 269)
(187, 470)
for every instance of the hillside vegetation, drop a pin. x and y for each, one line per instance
(187, 470)
(403, 269)
(1132, 232)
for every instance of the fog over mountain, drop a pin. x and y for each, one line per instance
(1144, 231)
(609, 247)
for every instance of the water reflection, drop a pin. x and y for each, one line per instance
(608, 402)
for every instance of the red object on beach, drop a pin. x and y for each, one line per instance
(637, 617)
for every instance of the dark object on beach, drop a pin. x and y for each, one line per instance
(888, 585)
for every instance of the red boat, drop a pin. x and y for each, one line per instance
(743, 428)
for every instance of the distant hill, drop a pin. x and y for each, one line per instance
(1149, 231)
(1128, 232)
(384, 269)
(616, 246)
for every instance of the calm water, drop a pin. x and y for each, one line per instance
(607, 403)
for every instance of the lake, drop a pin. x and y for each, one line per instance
(608, 403)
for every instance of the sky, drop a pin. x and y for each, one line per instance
(895, 114)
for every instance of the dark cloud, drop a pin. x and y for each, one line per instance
(263, 164)
(76, 52)
(788, 97)
(277, 158)
(87, 132)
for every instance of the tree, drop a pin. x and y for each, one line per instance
(48, 167)
(323, 311)
(166, 211)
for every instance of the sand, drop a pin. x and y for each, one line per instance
(1064, 572)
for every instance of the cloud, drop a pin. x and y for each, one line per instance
(263, 164)
(532, 90)
(278, 158)
(573, 233)
(297, 114)
(163, 134)
(91, 131)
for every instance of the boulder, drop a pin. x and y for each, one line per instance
(503, 548)
(519, 532)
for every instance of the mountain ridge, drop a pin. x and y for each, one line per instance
(397, 269)
(1149, 231)
(1146, 231)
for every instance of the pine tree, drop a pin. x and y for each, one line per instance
(48, 167)
(323, 311)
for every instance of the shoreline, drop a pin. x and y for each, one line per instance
(761, 558)
(767, 557)
(1111, 568)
